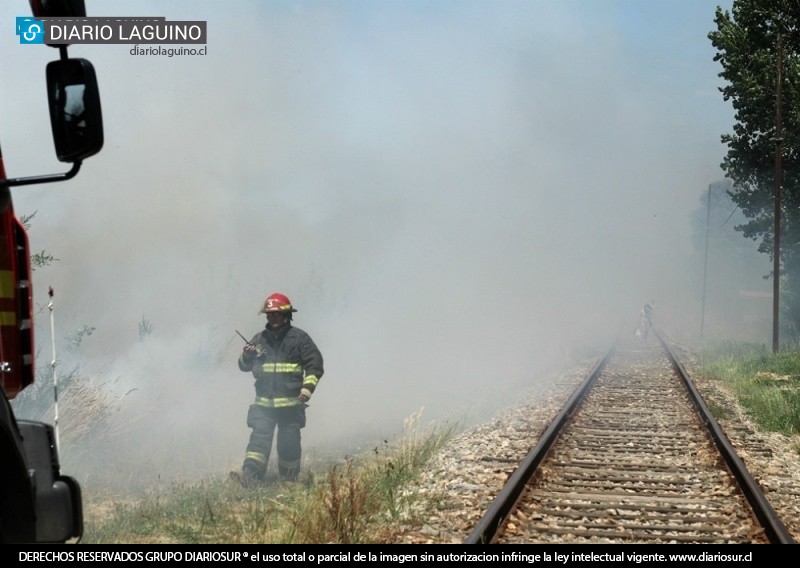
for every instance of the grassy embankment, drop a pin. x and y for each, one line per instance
(766, 385)
(349, 503)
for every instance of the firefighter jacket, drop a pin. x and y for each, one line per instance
(287, 361)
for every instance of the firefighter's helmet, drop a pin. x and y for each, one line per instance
(277, 302)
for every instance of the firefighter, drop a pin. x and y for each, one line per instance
(646, 320)
(287, 366)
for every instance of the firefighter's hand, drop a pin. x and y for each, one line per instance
(305, 394)
(249, 351)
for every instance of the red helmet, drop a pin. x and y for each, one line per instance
(277, 303)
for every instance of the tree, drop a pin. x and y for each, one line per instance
(758, 42)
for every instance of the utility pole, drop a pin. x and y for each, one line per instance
(776, 249)
(705, 265)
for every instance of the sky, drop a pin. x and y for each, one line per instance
(459, 197)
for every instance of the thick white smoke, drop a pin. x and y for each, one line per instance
(458, 198)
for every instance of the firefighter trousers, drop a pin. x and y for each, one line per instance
(288, 421)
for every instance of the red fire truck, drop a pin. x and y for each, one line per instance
(37, 503)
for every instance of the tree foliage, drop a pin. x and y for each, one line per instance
(748, 40)
(39, 259)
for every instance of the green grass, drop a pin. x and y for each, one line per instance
(767, 385)
(350, 502)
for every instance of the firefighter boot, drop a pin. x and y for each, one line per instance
(252, 474)
(288, 471)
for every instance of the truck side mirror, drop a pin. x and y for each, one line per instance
(58, 8)
(75, 114)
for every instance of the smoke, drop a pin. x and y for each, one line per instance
(459, 198)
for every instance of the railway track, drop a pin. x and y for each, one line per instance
(633, 457)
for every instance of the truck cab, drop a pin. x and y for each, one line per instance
(37, 503)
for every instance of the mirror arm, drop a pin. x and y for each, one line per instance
(42, 179)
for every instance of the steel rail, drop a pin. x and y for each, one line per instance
(776, 531)
(504, 503)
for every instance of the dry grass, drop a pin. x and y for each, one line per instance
(342, 504)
